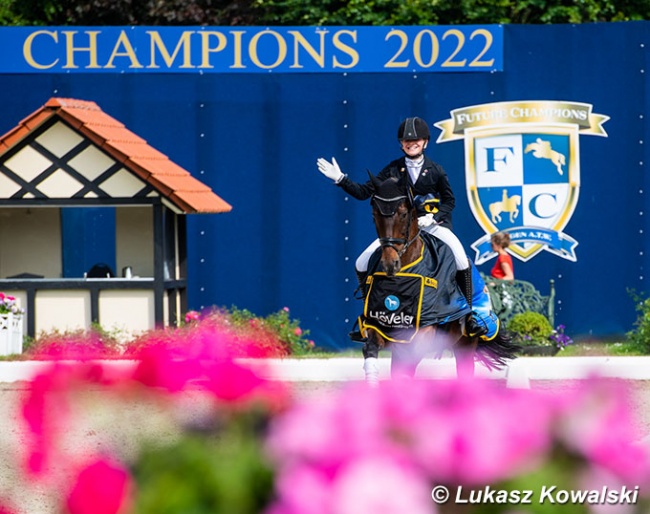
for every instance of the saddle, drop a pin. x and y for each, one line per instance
(423, 293)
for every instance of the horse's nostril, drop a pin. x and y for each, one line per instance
(392, 267)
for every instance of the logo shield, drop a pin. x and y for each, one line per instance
(525, 183)
(522, 168)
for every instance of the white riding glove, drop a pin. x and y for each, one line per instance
(330, 170)
(426, 220)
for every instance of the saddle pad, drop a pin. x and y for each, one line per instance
(393, 305)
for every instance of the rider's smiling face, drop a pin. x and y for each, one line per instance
(413, 147)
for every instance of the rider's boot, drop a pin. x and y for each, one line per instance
(356, 334)
(472, 327)
(362, 276)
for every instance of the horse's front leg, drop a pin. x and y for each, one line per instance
(464, 351)
(370, 355)
(513, 215)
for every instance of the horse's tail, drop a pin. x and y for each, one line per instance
(495, 353)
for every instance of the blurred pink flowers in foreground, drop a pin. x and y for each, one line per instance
(101, 488)
(355, 450)
(463, 433)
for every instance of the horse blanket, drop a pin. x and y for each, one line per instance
(423, 293)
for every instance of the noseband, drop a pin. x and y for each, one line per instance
(387, 207)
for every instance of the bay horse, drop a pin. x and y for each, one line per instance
(423, 271)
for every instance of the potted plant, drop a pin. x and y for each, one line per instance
(535, 334)
(11, 325)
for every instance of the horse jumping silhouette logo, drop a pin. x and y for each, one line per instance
(542, 150)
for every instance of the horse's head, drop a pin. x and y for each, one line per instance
(395, 221)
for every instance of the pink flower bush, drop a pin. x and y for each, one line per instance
(356, 450)
(465, 433)
(100, 488)
(8, 304)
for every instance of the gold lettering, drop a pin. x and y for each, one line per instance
(157, 42)
(70, 49)
(345, 49)
(123, 40)
(282, 49)
(238, 49)
(206, 50)
(27, 49)
(300, 40)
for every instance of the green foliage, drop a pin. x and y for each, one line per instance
(130, 12)
(445, 12)
(279, 323)
(531, 328)
(639, 337)
(218, 467)
(325, 12)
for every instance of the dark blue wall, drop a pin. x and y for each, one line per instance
(292, 237)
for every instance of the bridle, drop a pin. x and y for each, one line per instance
(387, 207)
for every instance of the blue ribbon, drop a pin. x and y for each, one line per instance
(555, 242)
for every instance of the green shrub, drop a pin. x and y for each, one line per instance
(531, 328)
(279, 323)
(639, 338)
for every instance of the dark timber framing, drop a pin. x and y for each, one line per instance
(169, 234)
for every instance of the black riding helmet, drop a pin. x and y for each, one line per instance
(413, 128)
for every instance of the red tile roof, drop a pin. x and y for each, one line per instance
(152, 166)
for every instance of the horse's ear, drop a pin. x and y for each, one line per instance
(374, 181)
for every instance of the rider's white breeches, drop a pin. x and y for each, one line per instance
(442, 233)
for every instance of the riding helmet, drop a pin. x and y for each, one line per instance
(413, 128)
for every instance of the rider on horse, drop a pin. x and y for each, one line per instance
(426, 180)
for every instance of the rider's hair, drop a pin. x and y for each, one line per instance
(501, 239)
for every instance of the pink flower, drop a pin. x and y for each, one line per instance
(45, 411)
(377, 485)
(102, 487)
(303, 490)
(160, 367)
(285, 309)
(445, 431)
(601, 426)
(202, 366)
(298, 331)
(192, 316)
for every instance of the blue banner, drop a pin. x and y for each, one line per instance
(412, 49)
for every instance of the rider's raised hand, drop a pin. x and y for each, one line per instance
(426, 220)
(330, 169)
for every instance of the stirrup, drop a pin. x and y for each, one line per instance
(357, 336)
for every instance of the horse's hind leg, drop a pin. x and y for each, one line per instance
(403, 362)
(406, 357)
(464, 351)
